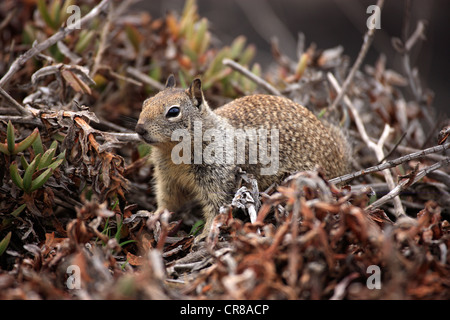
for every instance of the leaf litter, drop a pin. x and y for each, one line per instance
(305, 238)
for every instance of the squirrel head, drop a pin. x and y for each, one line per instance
(171, 109)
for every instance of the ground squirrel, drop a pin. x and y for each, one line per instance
(196, 150)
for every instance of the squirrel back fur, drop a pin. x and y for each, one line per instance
(303, 143)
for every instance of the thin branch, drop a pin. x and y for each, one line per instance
(121, 77)
(24, 120)
(103, 43)
(368, 38)
(394, 147)
(18, 106)
(404, 184)
(441, 176)
(406, 150)
(419, 34)
(124, 136)
(61, 34)
(392, 163)
(258, 80)
(377, 148)
(145, 78)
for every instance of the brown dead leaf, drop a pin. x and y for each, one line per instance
(134, 260)
(76, 83)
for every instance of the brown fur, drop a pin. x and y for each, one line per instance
(304, 143)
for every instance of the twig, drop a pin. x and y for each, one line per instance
(145, 78)
(18, 106)
(399, 188)
(61, 34)
(103, 43)
(377, 148)
(405, 150)
(392, 163)
(8, 18)
(119, 76)
(440, 176)
(112, 126)
(418, 34)
(404, 47)
(124, 137)
(258, 80)
(368, 38)
(394, 147)
(24, 120)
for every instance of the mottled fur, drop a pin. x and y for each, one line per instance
(304, 142)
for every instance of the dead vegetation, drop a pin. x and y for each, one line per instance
(75, 178)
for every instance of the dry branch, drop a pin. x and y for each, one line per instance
(16, 105)
(376, 147)
(368, 38)
(404, 184)
(20, 61)
(145, 78)
(258, 80)
(392, 163)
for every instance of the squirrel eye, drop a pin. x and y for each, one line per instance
(173, 112)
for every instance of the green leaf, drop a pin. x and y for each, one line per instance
(10, 137)
(55, 10)
(118, 234)
(133, 36)
(27, 142)
(321, 113)
(16, 212)
(4, 149)
(15, 176)
(126, 242)
(37, 145)
(247, 55)
(63, 12)
(182, 79)
(237, 46)
(202, 28)
(144, 150)
(4, 243)
(54, 145)
(56, 164)
(43, 10)
(58, 137)
(84, 40)
(39, 181)
(46, 159)
(373, 198)
(28, 176)
(62, 155)
(24, 162)
(197, 227)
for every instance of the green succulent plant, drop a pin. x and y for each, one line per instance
(41, 167)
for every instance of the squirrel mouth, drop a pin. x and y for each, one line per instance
(144, 135)
(147, 139)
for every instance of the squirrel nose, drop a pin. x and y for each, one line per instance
(140, 129)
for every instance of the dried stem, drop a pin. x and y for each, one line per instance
(103, 43)
(368, 38)
(16, 105)
(392, 163)
(61, 34)
(376, 147)
(145, 78)
(258, 80)
(404, 184)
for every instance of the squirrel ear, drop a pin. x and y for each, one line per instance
(170, 83)
(195, 91)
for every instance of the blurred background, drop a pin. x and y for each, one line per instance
(330, 23)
